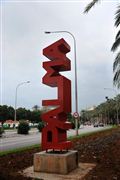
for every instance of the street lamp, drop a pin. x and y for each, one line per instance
(117, 103)
(16, 97)
(76, 93)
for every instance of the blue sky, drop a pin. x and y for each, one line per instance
(22, 28)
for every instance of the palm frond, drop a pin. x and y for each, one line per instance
(90, 5)
(117, 20)
(118, 35)
(115, 44)
(116, 79)
(116, 62)
(117, 17)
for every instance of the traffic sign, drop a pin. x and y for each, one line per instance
(75, 114)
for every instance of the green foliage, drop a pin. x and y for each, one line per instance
(70, 118)
(6, 126)
(40, 126)
(116, 69)
(23, 127)
(35, 116)
(21, 113)
(106, 112)
(6, 112)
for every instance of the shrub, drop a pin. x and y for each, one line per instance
(40, 126)
(74, 125)
(23, 127)
(1, 131)
(6, 126)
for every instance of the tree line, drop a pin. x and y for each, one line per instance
(7, 112)
(105, 112)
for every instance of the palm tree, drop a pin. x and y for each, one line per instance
(116, 44)
(90, 5)
(35, 107)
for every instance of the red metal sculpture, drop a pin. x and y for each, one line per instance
(54, 135)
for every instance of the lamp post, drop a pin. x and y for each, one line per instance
(76, 93)
(16, 97)
(117, 103)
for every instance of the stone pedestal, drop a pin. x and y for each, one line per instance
(55, 162)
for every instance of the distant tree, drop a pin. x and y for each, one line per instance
(36, 108)
(6, 112)
(83, 116)
(21, 113)
(3, 113)
(28, 114)
(105, 112)
(11, 112)
(35, 116)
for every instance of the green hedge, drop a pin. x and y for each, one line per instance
(41, 126)
(23, 127)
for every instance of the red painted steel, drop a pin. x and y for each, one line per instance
(54, 134)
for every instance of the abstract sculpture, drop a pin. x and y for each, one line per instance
(54, 134)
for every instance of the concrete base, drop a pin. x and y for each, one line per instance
(56, 162)
(77, 174)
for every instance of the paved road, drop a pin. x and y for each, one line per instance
(12, 140)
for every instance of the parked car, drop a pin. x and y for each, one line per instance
(101, 124)
(96, 125)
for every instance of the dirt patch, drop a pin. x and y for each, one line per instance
(102, 148)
